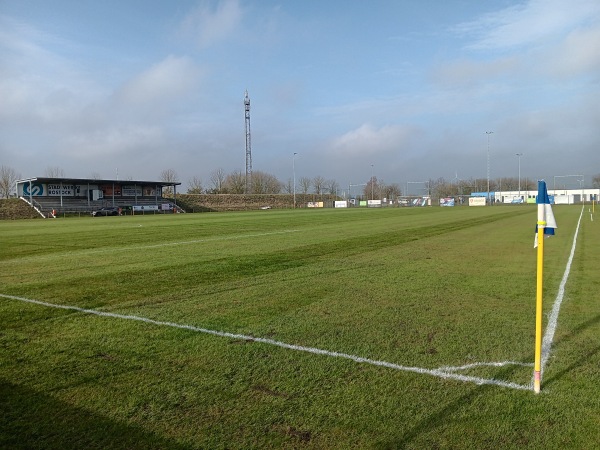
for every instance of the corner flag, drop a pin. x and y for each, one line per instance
(545, 227)
(545, 214)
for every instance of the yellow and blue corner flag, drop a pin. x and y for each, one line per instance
(545, 214)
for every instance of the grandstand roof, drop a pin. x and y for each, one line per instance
(96, 181)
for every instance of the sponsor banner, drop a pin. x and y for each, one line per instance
(424, 201)
(448, 201)
(166, 207)
(374, 203)
(340, 204)
(149, 191)
(476, 201)
(36, 189)
(414, 201)
(145, 207)
(315, 204)
(109, 191)
(132, 191)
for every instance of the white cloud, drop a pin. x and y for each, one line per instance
(470, 73)
(37, 83)
(578, 54)
(164, 82)
(207, 26)
(528, 23)
(367, 140)
(111, 140)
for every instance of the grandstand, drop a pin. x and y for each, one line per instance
(53, 196)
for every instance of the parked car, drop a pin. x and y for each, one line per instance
(107, 211)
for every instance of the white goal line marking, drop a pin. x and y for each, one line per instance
(445, 373)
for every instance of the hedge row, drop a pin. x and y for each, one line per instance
(243, 202)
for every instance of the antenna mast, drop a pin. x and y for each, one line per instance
(248, 146)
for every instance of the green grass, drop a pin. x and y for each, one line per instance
(426, 287)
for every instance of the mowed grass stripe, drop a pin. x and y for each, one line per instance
(451, 299)
(244, 293)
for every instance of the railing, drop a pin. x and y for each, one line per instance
(49, 206)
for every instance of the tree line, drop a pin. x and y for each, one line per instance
(263, 183)
(220, 182)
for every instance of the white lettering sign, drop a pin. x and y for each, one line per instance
(131, 191)
(57, 190)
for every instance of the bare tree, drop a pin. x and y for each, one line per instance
(8, 177)
(596, 181)
(274, 186)
(288, 187)
(371, 189)
(217, 180)
(195, 186)
(481, 184)
(318, 184)
(96, 176)
(264, 183)
(305, 184)
(529, 185)
(391, 191)
(54, 172)
(168, 176)
(235, 182)
(332, 187)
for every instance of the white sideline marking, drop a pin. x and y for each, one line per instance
(441, 373)
(553, 320)
(479, 364)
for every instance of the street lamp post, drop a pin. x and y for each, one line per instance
(294, 171)
(488, 165)
(519, 155)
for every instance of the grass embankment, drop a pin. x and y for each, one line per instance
(14, 209)
(425, 288)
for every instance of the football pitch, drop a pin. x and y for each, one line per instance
(358, 328)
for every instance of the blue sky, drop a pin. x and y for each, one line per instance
(403, 89)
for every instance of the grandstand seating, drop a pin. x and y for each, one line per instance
(70, 205)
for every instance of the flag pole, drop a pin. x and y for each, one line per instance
(538, 303)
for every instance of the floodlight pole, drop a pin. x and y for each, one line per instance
(372, 198)
(488, 165)
(519, 155)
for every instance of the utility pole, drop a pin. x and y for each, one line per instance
(294, 170)
(519, 155)
(248, 145)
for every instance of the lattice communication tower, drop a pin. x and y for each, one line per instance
(248, 145)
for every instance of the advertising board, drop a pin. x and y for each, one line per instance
(476, 201)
